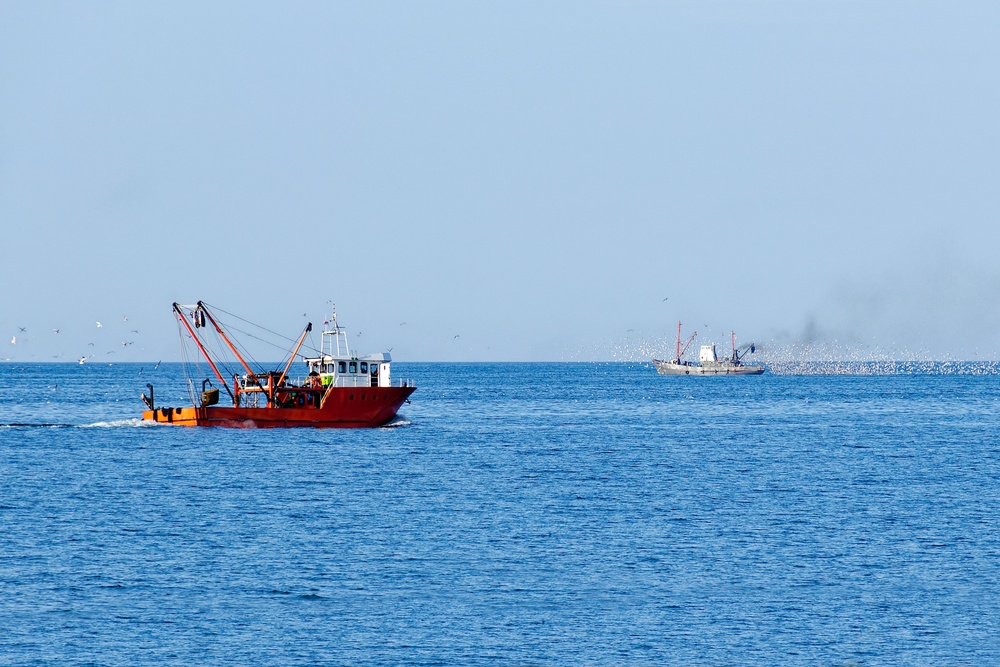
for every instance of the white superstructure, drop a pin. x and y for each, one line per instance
(337, 366)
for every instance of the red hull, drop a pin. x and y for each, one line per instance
(345, 407)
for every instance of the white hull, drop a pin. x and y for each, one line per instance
(716, 368)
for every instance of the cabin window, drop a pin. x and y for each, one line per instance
(354, 367)
(364, 366)
(342, 366)
(329, 368)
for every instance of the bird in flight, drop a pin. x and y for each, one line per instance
(13, 341)
(99, 325)
(22, 328)
(665, 298)
(55, 331)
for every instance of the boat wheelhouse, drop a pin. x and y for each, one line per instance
(337, 367)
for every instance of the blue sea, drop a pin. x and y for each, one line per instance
(514, 514)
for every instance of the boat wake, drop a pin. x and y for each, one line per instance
(122, 423)
(398, 420)
(117, 423)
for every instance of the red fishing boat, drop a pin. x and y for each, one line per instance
(341, 389)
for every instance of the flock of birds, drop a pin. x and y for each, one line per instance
(20, 338)
(84, 358)
(780, 357)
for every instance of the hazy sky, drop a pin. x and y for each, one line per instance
(533, 177)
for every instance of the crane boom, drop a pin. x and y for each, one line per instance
(680, 350)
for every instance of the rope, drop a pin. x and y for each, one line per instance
(262, 328)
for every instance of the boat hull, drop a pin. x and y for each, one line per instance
(345, 407)
(721, 368)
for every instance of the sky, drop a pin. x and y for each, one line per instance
(515, 181)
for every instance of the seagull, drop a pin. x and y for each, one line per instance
(665, 298)
(55, 331)
(22, 328)
(99, 325)
(13, 341)
(400, 324)
(135, 331)
(156, 366)
(125, 318)
(90, 344)
(455, 336)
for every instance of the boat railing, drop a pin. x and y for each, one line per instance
(362, 381)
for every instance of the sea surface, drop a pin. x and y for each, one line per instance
(515, 514)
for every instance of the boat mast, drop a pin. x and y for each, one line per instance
(197, 341)
(222, 334)
(681, 351)
(224, 337)
(336, 332)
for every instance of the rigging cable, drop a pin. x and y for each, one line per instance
(258, 326)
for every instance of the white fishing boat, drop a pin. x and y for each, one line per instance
(708, 360)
